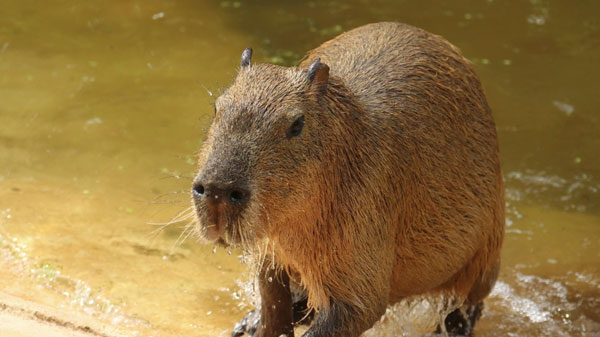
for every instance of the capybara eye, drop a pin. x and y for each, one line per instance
(296, 128)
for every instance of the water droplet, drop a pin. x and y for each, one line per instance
(94, 120)
(536, 19)
(568, 109)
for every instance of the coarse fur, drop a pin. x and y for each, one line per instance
(393, 187)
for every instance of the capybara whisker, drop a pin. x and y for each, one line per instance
(184, 235)
(182, 215)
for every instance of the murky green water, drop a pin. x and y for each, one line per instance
(103, 105)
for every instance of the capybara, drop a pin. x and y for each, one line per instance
(367, 174)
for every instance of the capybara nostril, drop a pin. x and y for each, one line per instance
(238, 196)
(198, 190)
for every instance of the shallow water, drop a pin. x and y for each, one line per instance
(103, 105)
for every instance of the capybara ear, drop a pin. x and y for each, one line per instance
(318, 75)
(246, 56)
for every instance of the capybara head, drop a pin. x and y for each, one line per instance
(265, 140)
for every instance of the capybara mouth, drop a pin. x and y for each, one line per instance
(217, 226)
(214, 232)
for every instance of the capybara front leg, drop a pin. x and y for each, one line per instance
(301, 313)
(276, 317)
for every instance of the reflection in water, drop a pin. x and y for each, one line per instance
(103, 105)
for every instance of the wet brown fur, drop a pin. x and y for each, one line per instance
(393, 187)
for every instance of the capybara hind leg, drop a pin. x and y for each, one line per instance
(461, 321)
(483, 286)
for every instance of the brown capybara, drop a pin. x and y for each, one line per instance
(367, 174)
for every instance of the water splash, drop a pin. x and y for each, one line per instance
(548, 306)
(414, 316)
(578, 193)
(520, 305)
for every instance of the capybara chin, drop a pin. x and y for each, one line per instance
(367, 174)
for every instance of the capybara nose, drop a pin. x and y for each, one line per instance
(216, 193)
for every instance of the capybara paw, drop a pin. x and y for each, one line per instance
(247, 325)
(461, 321)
